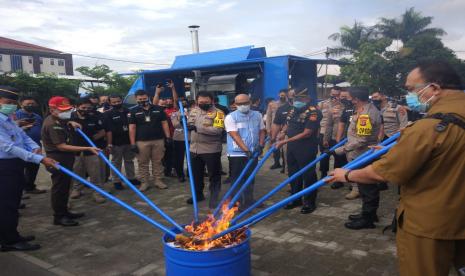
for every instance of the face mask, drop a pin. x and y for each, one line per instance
(243, 108)
(413, 101)
(65, 115)
(117, 106)
(333, 98)
(142, 103)
(8, 109)
(346, 102)
(169, 105)
(377, 103)
(29, 108)
(299, 104)
(282, 99)
(84, 112)
(205, 107)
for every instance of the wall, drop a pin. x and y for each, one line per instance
(5, 64)
(48, 67)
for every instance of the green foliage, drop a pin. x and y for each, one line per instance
(371, 64)
(113, 82)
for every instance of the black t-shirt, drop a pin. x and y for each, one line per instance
(91, 125)
(346, 115)
(305, 118)
(148, 122)
(281, 114)
(117, 122)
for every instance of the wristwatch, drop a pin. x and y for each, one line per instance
(346, 176)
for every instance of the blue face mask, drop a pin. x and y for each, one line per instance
(299, 104)
(414, 103)
(8, 109)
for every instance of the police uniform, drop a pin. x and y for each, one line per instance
(302, 151)
(280, 119)
(150, 142)
(363, 132)
(394, 118)
(178, 144)
(15, 149)
(55, 132)
(206, 145)
(116, 122)
(428, 165)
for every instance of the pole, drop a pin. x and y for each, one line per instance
(287, 181)
(129, 184)
(273, 208)
(189, 165)
(117, 201)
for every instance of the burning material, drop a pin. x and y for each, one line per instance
(201, 239)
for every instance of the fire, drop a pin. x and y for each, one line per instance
(203, 232)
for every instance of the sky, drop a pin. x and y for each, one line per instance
(155, 31)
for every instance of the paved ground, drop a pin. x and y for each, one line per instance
(113, 242)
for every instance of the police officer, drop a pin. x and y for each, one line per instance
(274, 129)
(16, 148)
(148, 133)
(428, 164)
(363, 132)
(178, 141)
(394, 115)
(278, 128)
(115, 121)
(206, 123)
(302, 125)
(56, 138)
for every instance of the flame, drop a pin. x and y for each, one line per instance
(203, 232)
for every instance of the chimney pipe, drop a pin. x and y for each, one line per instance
(195, 38)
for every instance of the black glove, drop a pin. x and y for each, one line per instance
(259, 149)
(191, 127)
(168, 141)
(135, 149)
(248, 154)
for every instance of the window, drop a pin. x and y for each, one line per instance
(1, 58)
(61, 62)
(41, 60)
(52, 61)
(30, 60)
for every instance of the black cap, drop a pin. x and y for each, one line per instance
(9, 92)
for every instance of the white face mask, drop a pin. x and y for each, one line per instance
(243, 108)
(65, 115)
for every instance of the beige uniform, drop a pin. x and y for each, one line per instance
(394, 117)
(178, 134)
(324, 107)
(210, 126)
(332, 117)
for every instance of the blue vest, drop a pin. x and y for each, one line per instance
(248, 127)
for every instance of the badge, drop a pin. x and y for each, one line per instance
(218, 122)
(364, 127)
(125, 128)
(147, 119)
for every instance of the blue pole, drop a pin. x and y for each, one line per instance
(287, 181)
(129, 184)
(237, 181)
(117, 201)
(189, 165)
(268, 211)
(251, 177)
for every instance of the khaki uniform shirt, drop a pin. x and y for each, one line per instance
(325, 109)
(178, 133)
(394, 117)
(210, 126)
(363, 131)
(429, 166)
(331, 120)
(54, 133)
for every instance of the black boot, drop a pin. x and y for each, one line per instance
(199, 198)
(308, 208)
(293, 205)
(362, 223)
(382, 186)
(359, 216)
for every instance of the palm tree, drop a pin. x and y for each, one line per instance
(351, 38)
(410, 25)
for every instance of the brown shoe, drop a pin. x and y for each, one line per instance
(353, 194)
(99, 199)
(144, 187)
(75, 194)
(160, 184)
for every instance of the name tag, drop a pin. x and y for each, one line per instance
(125, 128)
(147, 119)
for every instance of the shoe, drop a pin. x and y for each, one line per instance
(275, 166)
(22, 206)
(182, 179)
(26, 238)
(307, 209)
(224, 173)
(118, 186)
(65, 221)
(20, 246)
(353, 194)
(337, 185)
(99, 199)
(135, 182)
(144, 187)
(283, 171)
(293, 205)
(382, 186)
(25, 197)
(227, 180)
(160, 185)
(199, 198)
(75, 194)
(74, 215)
(359, 216)
(362, 223)
(36, 192)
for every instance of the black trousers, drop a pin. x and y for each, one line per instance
(61, 183)
(298, 156)
(30, 175)
(179, 154)
(213, 163)
(237, 165)
(11, 187)
(339, 160)
(324, 164)
(370, 200)
(168, 158)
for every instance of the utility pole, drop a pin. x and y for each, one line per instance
(194, 29)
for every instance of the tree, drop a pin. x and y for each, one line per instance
(351, 38)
